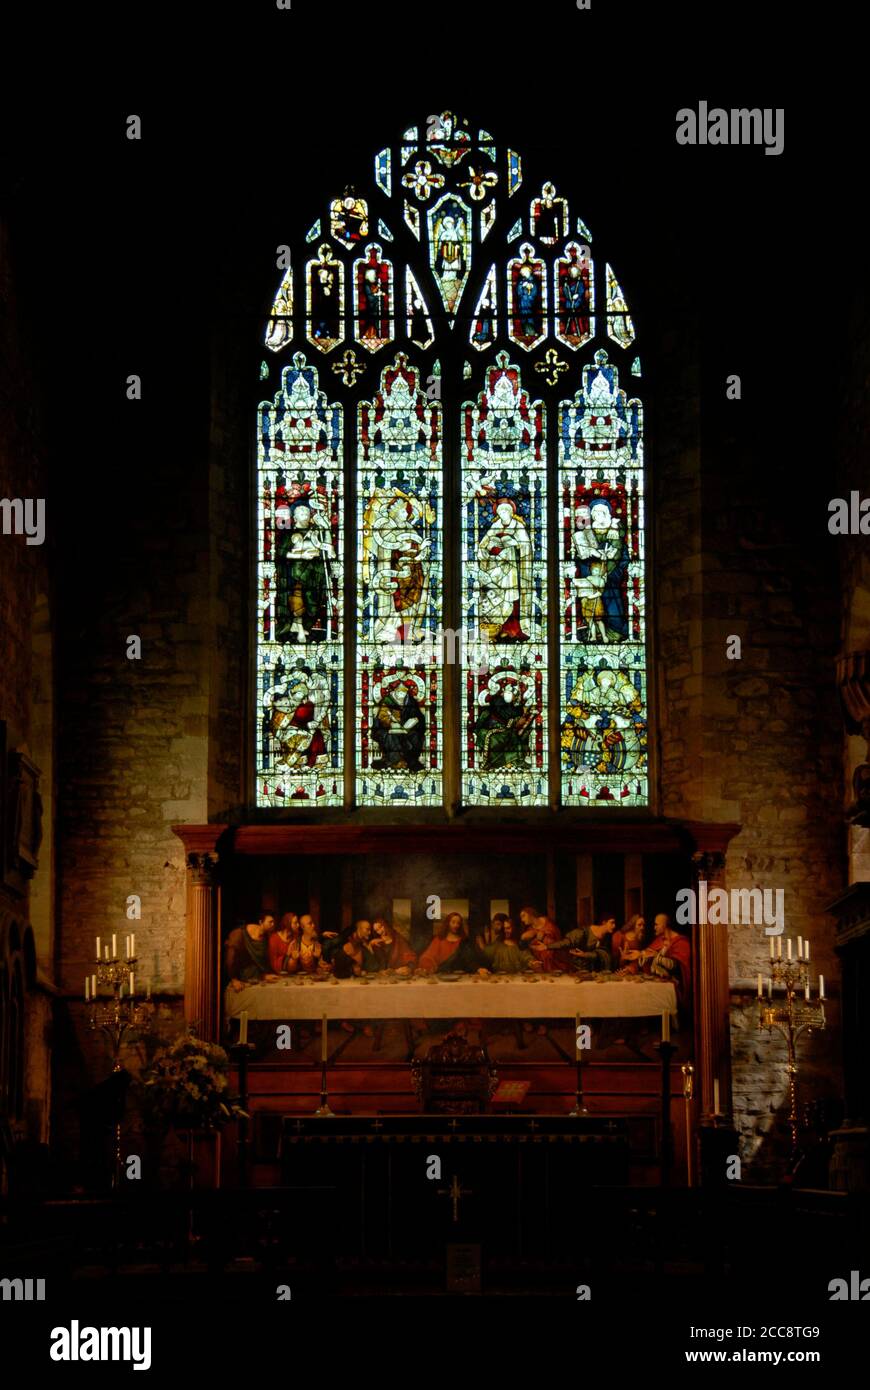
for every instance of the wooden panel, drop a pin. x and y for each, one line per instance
(549, 833)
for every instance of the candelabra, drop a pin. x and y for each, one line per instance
(791, 1015)
(115, 1016)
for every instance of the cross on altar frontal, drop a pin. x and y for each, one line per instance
(455, 1192)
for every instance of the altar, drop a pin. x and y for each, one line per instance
(503, 996)
(403, 1185)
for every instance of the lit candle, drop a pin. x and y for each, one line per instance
(666, 1027)
(779, 948)
(788, 944)
(98, 948)
(715, 1095)
(800, 947)
(821, 986)
(759, 986)
(87, 990)
(323, 1037)
(114, 947)
(243, 1027)
(131, 984)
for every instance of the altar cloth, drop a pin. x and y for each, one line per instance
(472, 996)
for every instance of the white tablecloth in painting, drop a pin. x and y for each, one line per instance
(470, 996)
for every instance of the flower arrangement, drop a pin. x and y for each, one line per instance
(187, 1086)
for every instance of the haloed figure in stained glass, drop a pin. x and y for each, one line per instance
(450, 259)
(601, 557)
(304, 555)
(504, 725)
(399, 728)
(396, 563)
(504, 558)
(604, 729)
(297, 710)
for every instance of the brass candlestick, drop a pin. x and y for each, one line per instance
(115, 1016)
(791, 1016)
(688, 1091)
(323, 1111)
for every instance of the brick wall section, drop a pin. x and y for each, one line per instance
(232, 426)
(23, 568)
(757, 740)
(134, 733)
(854, 551)
(24, 576)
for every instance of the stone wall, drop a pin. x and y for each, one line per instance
(755, 740)
(26, 685)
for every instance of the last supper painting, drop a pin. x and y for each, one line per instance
(434, 688)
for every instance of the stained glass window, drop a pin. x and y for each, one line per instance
(399, 727)
(300, 594)
(486, 367)
(373, 289)
(601, 559)
(324, 300)
(504, 594)
(280, 326)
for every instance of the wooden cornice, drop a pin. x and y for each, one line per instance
(458, 837)
(199, 839)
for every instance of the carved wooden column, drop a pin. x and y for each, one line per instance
(202, 944)
(712, 987)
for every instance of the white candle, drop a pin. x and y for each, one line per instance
(87, 989)
(800, 947)
(114, 947)
(132, 943)
(323, 1037)
(107, 953)
(759, 986)
(243, 1027)
(779, 948)
(771, 948)
(821, 986)
(93, 986)
(807, 991)
(98, 948)
(769, 987)
(788, 944)
(131, 984)
(807, 949)
(666, 1027)
(126, 948)
(715, 1095)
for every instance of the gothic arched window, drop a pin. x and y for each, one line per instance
(450, 482)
